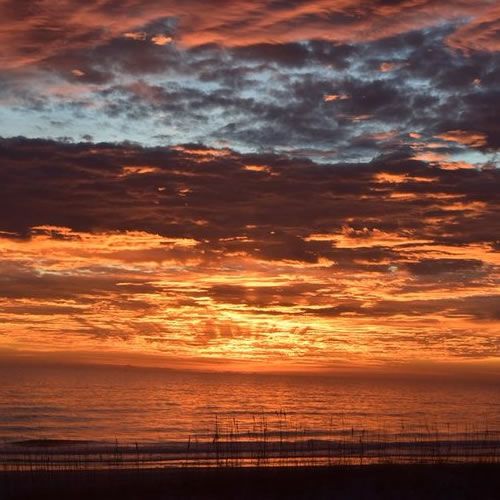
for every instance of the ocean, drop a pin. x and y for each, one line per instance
(151, 405)
(152, 408)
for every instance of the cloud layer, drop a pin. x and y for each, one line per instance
(212, 254)
(300, 78)
(39, 30)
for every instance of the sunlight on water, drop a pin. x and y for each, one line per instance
(151, 406)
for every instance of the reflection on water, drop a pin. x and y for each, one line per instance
(151, 406)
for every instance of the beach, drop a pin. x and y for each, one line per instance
(438, 481)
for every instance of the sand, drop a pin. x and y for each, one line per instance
(478, 482)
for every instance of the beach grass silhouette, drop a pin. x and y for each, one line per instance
(275, 440)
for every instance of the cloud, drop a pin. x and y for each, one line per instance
(318, 98)
(438, 266)
(185, 251)
(482, 33)
(335, 97)
(44, 31)
(161, 39)
(468, 138)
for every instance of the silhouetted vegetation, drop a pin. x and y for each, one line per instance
(270, 440)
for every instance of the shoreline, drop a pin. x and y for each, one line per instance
(65, 455)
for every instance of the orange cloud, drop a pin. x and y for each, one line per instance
(335, 97)
(365, 264)
(117, 294)
(465, 137)
(387, 67)
(161, 39)
(32, 36)
(136, 35)
(481, 33)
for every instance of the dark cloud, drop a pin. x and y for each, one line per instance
(273, 201)
(438, 266)
(321, 97)
(477, 307)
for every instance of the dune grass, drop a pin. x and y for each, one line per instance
(268, 441)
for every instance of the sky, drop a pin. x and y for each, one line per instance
(267, 185)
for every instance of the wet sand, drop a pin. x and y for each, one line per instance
(474, 481)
